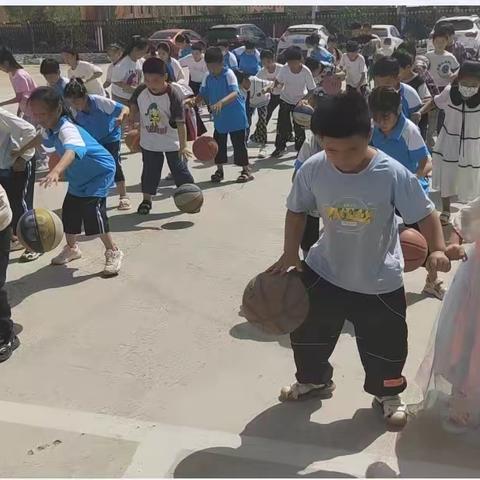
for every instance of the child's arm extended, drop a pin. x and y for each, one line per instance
(424, 167)
(426, 108)
(184, 151)
(123, 114)
(217, 107)
(12, 101)
(431, 229)
(67, 159)
(455, 250)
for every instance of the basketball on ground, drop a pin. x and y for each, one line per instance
(205, 148)
(40, 230)
(414, 248)
(188, 198)
(276, 304)
(132, 141)
(302, 115)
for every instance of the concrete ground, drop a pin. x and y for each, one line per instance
(154, 373)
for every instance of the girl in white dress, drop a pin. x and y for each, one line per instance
(450, 373)
(456, 155)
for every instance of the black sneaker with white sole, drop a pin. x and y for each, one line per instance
(277, 153)
(7, 348)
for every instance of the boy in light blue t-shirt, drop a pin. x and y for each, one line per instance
(355, 269)
(220, 91)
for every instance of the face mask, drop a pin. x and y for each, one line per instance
(467, 92)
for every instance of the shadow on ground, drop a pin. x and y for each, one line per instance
(289, 423)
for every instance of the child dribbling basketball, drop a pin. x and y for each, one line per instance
(89, 169)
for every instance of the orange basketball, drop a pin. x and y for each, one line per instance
(414, 248)
(205, 148)
(132, 141)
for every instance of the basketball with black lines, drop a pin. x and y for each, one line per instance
(188, 198)
(40, 230)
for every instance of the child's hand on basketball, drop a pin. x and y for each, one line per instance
(51, 179)
(455, 252)
(185, 153)
(438, 262)
(286, 263)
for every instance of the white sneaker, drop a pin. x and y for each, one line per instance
(263, 152)
(298, 390)
(67, 255)
(393, 409)
(113, 262)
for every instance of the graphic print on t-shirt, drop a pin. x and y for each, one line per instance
(156, 119)
(351, 215)
(444, 69)
(132, 79)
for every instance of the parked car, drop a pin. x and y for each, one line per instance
(388, 31)
(296, 35)
(467, 31)
(169, 36)
(238, 34)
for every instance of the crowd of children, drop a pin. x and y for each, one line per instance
(372, 132)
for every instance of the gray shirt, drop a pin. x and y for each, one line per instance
(359, 247)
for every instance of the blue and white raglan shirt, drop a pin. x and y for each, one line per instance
(100, 120)
(321, 54)
(230, 61)
(232, 117)
(91, 173)
(404, 144)
(411, 101)
(248, 63)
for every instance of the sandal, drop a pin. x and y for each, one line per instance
(144, 208)
(300, 391)
(29, 256)
(244, 177)
(124, 204)
(445, 219)
(217, 177)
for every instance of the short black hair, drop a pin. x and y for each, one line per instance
(241, 76)
(446, 27)
(182, 37)
(313, 39)
(384, 100)
(386, 67)
(224, 44)
(312, 64)
(293, 53)
(213, 55)
(71, 51)
(49, 66)
(352, 46)
(469, 68)
(355, 26)
(442, 32)
(250, 45)
(154, 65)
(165, 47)
(267, 54)
(404, 58)
(199, 46)
(341, 116)
(75, 88)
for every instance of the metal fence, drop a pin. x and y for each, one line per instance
(90, 36)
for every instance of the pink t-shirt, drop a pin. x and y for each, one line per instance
(23, 85)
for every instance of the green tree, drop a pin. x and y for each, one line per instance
(26, 14)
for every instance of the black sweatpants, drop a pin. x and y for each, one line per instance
(201, 129)
(380, 329)
(284, 128)
(272, 105)
(114, 149)
(311, 233)
(20, 187)
(6, 324)
(239, 143)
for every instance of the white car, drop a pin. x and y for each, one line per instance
(467, 31)
(388, 31)
(295, 36)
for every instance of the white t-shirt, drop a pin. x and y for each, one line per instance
(108, 73)
(86, 70)
(266, 75)
(129, 72)
(177, 70)
(295, 85)
(354, 70)
(258, 98)
(156, 114)
(197, 70)
(441, 67)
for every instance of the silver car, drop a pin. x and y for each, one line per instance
(296, 35)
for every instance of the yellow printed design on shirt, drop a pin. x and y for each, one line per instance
(349, 214)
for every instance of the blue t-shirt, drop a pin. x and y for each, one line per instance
(100, 120)
(411, 101)
(230, 61)
(92, 172)
(322, 55)
(232, 117)
(359, 247)
(405, 144)
(184, 52)
(247, 62)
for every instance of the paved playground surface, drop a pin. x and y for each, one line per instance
(155, 373)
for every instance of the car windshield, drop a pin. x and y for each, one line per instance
(163, 35)
(221, 34)
(302, 31)
(381, 32)
(458, 25)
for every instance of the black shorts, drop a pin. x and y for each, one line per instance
(91, 212)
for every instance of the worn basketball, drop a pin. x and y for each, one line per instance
(276, 304)
(188, 198)
(40, 230)
(205, 148)
(302, 115)
(414, 248)
(132, 141)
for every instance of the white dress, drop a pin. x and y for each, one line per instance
(456, 155)
(449, 376)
